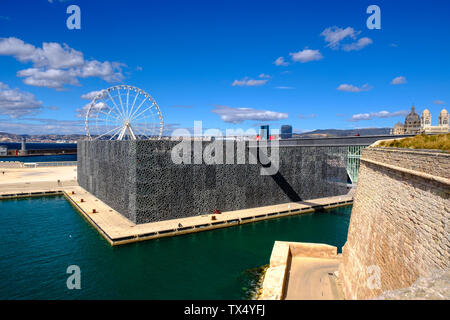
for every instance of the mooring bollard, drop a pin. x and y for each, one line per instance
(82, 200)
(94, 211)
(213, 218)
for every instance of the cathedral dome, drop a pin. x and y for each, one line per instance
(412, 117)
(443, 112)
(426, 112)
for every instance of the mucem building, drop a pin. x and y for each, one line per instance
(141, 180)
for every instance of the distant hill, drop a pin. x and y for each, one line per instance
(324, 133)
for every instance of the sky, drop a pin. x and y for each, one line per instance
(231, 64)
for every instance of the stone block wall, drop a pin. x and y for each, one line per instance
(140, 180)
(399, 227)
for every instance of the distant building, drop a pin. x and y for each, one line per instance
(264, 133)
(23, 149)
(3, 151)
(414, 124)
(286, 132)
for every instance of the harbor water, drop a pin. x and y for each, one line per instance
(41, 237)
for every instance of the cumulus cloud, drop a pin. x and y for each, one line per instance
(238, 115)
(246, 82)
(56, 65)
(15, 103)
(91, 95)
(358, 45)
(307, 116)
(438, 102)
(284, 87)
(264, 76)
(280, 62)
(380, 114)
(49, 78)
(306, 55)
(352, 88)
(398, 80)
(334, 35)
(96, 108)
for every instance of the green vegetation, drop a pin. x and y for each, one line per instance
(422, 141)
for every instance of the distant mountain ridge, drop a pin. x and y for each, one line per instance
(342, 132)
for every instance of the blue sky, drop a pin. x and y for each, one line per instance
(219, 61)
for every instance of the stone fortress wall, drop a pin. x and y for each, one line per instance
(399, 228)
(140, 180)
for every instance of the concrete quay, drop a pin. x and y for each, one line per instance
(302, 271)
(117, 229)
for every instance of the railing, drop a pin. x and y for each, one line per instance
(49, 164)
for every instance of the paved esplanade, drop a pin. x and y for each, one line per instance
(14, 180)
(312, 279)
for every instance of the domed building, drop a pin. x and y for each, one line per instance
(414, 124)
(443, 118)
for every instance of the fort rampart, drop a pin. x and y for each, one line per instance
(399, 229)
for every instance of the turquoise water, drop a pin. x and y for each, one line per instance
(51, 158)
(41, 237)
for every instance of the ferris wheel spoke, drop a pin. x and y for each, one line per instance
(121, 104)
(128, 96)
(115, 134)
(141, 132)
(112, 100)
(142, 112)
(110, 115)
(106, 133)
(134, 102)
(132, 116)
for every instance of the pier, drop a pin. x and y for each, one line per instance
(117, 230)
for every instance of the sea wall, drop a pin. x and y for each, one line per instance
(140, 180)
(399, 224)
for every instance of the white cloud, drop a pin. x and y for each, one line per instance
(91, 95)
(15, 103)
(246, 82)
(358, 45)
(56, 65)
(398, 80)
(334, 35)
(49, 78)
(352, 88)
(307, 116)
(238, 115)
(264, 76)
(280, 62)
(380, 114)
(284, 87)
(306, 55)
(97, 107)
(439, 102)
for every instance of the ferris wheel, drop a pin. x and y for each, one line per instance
(123, 113)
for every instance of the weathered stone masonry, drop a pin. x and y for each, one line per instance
(139, 179)
(399, 221)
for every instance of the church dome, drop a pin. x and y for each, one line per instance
(412, 116)
(443, 112)
(426, 112)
